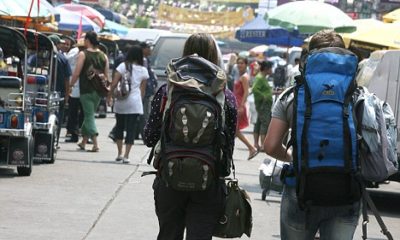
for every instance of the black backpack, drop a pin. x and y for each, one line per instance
(192, 153)
(280, 76)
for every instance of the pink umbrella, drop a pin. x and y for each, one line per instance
(87, 11)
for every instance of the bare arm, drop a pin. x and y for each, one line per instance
(273, 143)
(106, 67)
(143, 85)
(78, 68)
(116, 79)
(245, 83)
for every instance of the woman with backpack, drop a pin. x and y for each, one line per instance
(92, 56)
(128, 110)
(196, 211)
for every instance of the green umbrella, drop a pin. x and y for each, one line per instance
(310, 17)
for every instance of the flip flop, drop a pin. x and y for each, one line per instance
(251, 156)
(95, 149)
(81, 146)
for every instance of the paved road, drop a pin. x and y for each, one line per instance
(88, 196)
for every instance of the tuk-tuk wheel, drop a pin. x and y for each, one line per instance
(24, 171)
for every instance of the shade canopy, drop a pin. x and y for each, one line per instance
(21, 8)
(362, 26)
(258, 31)
(309, 17)
(109, 15)
(392, 16)
(385, 34)
(70, 21)
(87, 11)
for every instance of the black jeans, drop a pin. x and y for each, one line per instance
(198, 212)
(75, 117)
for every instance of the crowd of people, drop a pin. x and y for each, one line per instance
(198, 212)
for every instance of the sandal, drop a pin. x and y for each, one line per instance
(94, 149)
(81, 146)
(252, 155)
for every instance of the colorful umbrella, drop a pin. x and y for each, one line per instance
(362, 26)
(89, 12)
(385, 34)
(258, 31)
(392, 16)
(309, 17)
(116, 28)
(70, 21)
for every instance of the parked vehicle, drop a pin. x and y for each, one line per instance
(380, 74)
(145, 34)
(16, 141)
(167, 47)
(41, 89)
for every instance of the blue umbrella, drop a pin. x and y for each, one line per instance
(108, 14)
(70, 21)
(116, 28)
(258, 31)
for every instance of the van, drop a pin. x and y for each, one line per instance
(166, 48)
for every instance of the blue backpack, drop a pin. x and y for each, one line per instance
(324, 138)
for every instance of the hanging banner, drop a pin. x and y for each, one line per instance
(181, 15)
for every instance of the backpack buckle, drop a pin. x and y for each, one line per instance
(346, 112)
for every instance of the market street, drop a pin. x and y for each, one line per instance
(89, 196)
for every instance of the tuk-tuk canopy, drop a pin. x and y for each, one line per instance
(38, 41)
(12, 42)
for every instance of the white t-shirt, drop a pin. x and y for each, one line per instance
(133, 103)
(72, 57)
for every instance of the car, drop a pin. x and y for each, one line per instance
(145, 34)
(167, 47)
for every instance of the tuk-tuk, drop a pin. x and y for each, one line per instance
(380, 74)
(41, 85)
(16, 141)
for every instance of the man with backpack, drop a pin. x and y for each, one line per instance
(191, 129)
(321, 188)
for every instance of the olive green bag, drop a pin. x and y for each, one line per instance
(237, 217)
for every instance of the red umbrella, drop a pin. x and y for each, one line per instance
(87, 11)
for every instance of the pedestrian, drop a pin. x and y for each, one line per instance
(75, 112)
(90, 99)
(128, 110)
(333, 222)
(262, 92)
(63, 74)
(151, 87)
(241, 91)
(197, 211)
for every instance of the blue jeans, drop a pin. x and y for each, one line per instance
(333, 223)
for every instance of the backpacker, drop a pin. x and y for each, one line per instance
(191, 154)
(324, 134)
(279, 76)
(124, 85)
(378, 131)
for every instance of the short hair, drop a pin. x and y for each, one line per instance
(242, 59)
(135, 54)
(326, 38)
(203, 44)
(264, 65)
